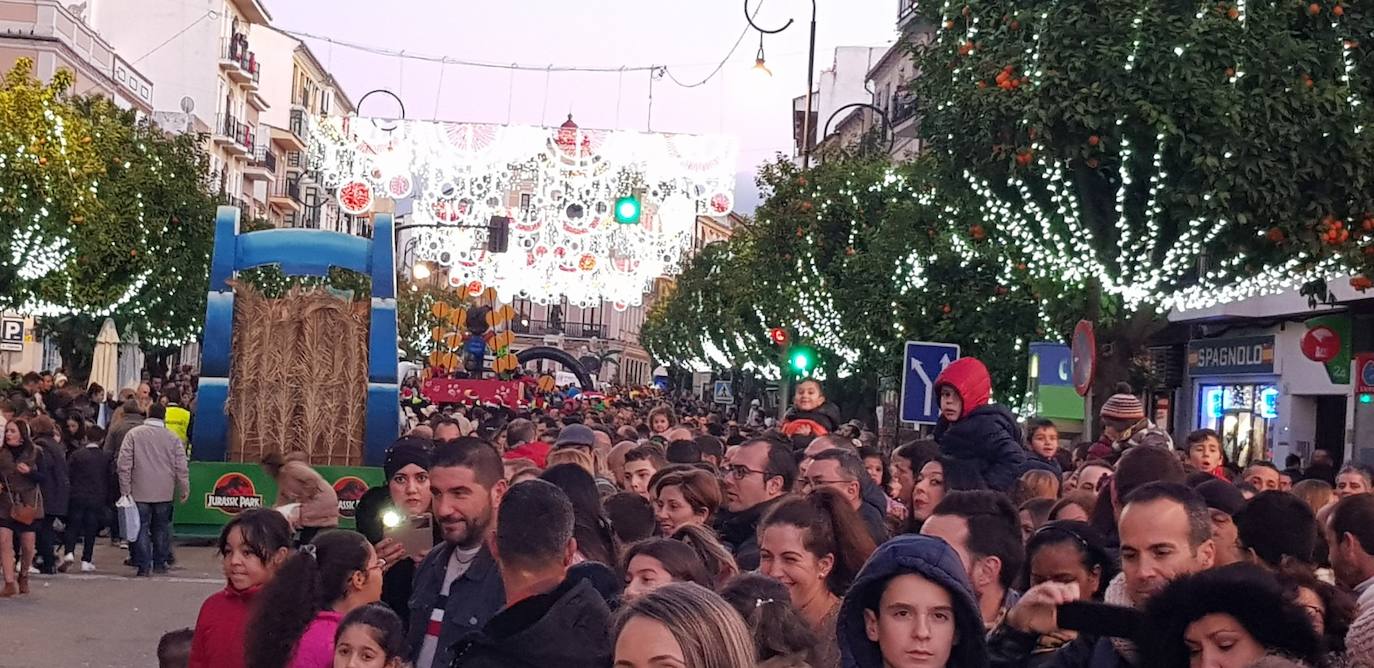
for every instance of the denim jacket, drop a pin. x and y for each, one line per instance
(473, 599)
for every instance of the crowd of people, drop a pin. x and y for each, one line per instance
(624, 533)
(69, 455)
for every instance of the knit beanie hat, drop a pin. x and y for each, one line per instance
(1123, 405)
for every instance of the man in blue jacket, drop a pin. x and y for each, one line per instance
(458, 586)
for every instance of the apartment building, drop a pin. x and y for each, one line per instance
(885, 84)
(278, 167)
(56, 36)
(203, 54)
(841, 84)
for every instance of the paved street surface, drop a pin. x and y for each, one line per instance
(106, 618)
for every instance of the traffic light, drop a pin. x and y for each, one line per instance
(778, 336)
(1367, 398)
(801, 360)
(627, 210)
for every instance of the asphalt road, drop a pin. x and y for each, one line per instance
(106, 618)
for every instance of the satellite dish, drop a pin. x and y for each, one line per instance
(188, 105)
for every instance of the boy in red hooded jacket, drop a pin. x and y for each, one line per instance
(981, 436)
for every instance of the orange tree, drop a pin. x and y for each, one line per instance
(104, 214)
(852, 257)
(1143, 156)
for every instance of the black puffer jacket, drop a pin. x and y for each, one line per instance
(988, 439)
(56, 486)
(569, 627)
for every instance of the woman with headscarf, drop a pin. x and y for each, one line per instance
(405, 495)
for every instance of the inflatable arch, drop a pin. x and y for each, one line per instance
(299, 252)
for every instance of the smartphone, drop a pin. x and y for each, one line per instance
(1100, 619)
(414, 533)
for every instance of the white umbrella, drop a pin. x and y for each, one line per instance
(104, 366)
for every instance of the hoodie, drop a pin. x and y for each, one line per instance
(569, 627)
(930, 558)
(986, 437)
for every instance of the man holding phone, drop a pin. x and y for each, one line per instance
(1166, 533)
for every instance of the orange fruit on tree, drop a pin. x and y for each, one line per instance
(1274, 234)
(1233, 13)
(1024, 157)
(1094, 140)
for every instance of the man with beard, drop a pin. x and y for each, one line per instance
(1166, 533)
(458, 586)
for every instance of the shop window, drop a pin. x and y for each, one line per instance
(1244, 415)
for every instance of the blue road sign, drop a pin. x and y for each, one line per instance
(921, 365)
(722, 393)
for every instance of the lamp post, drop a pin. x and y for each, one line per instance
(887, 122)
(810, 74)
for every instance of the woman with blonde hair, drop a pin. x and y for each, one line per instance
(572, 456)
(1037, 484)
(1317, 494)
(682, 622)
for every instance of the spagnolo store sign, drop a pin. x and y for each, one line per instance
(1231, 356)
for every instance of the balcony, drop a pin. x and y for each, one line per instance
(903, 110)
(286, 197)
(262, 166)
(575, 330)
(293, 137)
(906, 13)
(236, 137)
(238, 62)
(295, 162)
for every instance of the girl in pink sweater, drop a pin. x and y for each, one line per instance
(296, 615)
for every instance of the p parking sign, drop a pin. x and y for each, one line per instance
(12, 335)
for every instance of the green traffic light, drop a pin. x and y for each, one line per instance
(1367, 398)
(627, 210)
(802, 360)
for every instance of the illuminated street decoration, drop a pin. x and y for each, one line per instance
(560, 187)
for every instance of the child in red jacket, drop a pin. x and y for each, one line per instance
(976, 434)
(253, 544)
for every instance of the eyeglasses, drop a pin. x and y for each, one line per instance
(740, 471)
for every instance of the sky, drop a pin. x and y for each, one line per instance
(690, 37)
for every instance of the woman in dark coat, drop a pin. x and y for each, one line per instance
(56, 489)
(20, 477)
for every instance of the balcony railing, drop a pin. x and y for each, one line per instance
(577, 330)
(288, 189)
(264, 157)
(236, 50)
(905, 8)
(903, 107)
(242, 133)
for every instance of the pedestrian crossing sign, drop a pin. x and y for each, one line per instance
(723, 393)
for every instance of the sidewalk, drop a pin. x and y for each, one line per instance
(106, 618)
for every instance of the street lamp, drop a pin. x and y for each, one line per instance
(760, 65)
(810, 72)
(887, 122)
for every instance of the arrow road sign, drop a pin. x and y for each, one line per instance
(920, 367)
